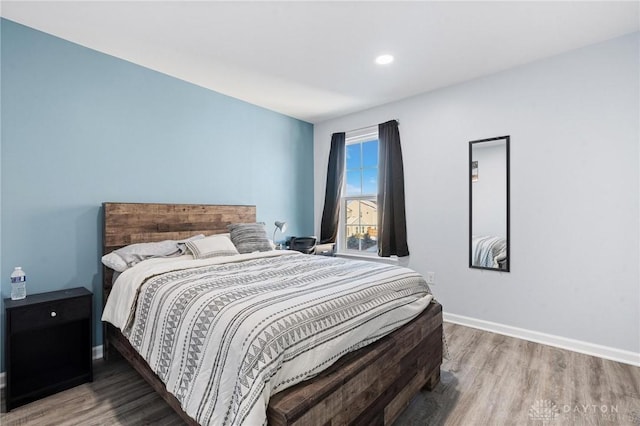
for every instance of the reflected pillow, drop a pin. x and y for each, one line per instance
(250, 237)
(213, 246)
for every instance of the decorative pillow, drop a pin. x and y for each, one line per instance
(182, 244)
(213, 246)
(250, 237)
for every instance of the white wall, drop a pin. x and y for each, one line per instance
(574, 126)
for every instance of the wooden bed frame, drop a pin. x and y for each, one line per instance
(371, 386)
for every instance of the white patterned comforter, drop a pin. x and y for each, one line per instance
(224, 334)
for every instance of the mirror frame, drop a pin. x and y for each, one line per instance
(508, 236)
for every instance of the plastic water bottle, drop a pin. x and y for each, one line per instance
(18, 284)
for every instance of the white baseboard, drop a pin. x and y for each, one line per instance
(580, 346)
(96, 354)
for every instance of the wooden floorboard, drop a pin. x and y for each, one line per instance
(489, 380)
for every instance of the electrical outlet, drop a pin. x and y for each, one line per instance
(431, 278)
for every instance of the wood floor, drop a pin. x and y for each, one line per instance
(489, 380)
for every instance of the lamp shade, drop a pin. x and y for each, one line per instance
(282, 226)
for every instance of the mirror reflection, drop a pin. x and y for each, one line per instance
(489, 204)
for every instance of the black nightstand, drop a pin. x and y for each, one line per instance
(48, 344)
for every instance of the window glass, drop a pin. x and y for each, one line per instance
(360, 217)
(354, 182)
(370, 181)
(370, 154)
(353, 157)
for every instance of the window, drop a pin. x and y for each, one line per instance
(359, 220)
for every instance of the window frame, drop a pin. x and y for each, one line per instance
(359, 136)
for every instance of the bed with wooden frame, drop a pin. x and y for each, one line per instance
(370, 386)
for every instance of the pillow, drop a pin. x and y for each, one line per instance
(213, 246)
(250, 237)
(182, 244)
(115, 262)
(124, 258)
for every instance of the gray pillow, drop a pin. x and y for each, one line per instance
(249, 237)
(124, 258)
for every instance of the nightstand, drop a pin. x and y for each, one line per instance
(48, 344)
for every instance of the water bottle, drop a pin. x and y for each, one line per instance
(18, 284)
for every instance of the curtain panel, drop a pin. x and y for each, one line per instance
(392, 223)
(333, 191)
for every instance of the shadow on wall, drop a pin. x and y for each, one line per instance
(88, 272)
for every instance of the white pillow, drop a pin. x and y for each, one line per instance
(115, 262)
(213, 246)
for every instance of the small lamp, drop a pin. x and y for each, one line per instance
(282, 226)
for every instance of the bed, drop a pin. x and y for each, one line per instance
(371, 385)
(489, 252)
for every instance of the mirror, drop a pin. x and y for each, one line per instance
(489, 204)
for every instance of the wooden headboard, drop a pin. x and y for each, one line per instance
(130, 223)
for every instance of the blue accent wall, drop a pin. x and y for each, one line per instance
(81, 127)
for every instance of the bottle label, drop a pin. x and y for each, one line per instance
(16, 280)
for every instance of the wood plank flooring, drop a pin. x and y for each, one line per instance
(489, 380)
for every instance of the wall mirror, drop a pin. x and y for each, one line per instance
(489, 204)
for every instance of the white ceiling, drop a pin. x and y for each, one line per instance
(315, 60)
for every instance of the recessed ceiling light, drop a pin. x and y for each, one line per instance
(384, 59)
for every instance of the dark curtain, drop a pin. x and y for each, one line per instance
(335, 176)
(392, 224)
